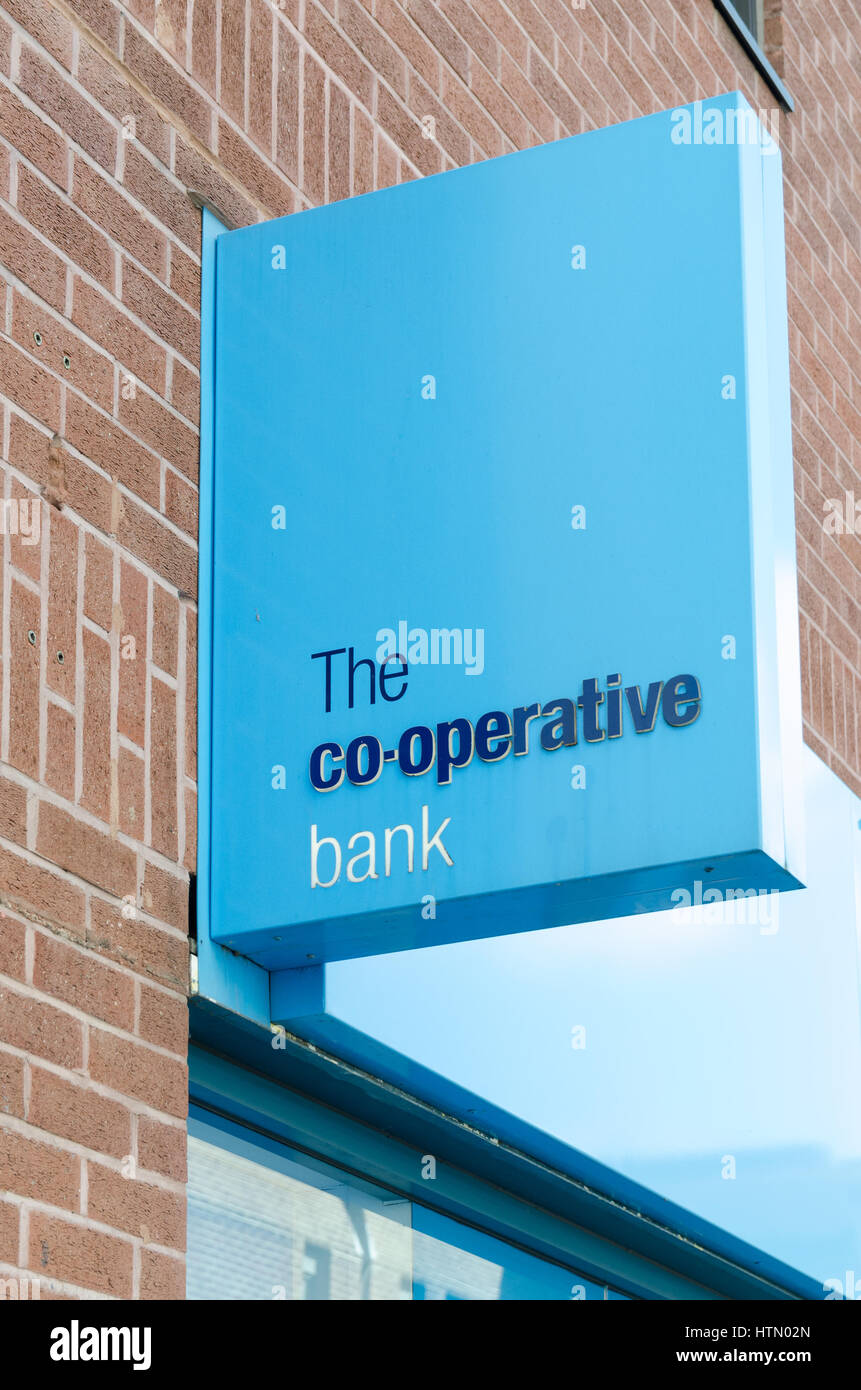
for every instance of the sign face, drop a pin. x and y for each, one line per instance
(502, 543)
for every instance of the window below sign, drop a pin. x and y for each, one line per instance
(750, 13)
(266, 1222)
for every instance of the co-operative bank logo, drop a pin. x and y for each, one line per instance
(597, 713)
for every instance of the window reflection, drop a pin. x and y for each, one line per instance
(264, 1223)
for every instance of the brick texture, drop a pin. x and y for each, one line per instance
(110, 115)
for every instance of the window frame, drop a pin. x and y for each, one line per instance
(557, 1204)
(753, 47)
(268, 1142)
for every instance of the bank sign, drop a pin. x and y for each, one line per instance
(504, 631)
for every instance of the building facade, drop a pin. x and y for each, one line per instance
(119, 124)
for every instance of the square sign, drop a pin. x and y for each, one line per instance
(504, 626)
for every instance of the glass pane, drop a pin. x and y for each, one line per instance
(262, 1225)
(749, 11)
(266, 1223)
(455, 1262)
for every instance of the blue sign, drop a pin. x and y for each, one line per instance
(504, 621)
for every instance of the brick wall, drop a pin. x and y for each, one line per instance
(110, 115)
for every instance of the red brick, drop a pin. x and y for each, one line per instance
(338, 145)
(62, 607)
(191, 694)
(85, 851)
(60, 752)
(223, 195)
(164, 895)
(12, 1090)
(185, 398)
(190, 856)
(471, 116)
(314, 130)
(146, 418)
(31, 260)
(165, 81)
(363, 153)
(78, 1255)
(98, 583)
(266, 185)
(61, 224)
(45, 25)
(81, 120)
(29, 385)
(500, 106)
(33, 137)
(406, 132)
(13, 939)
(374, 46)
(103, 17)
(72, 1110)
(449, 135)
(39, 1029)
(509, 33)
(24, 617)
(540, 32)
(140, 1208)
(40, 894)
(387, 163)
(27, 540)
(110, 325)
(170, 26)
(84, 490)
(406, 36)
(204, 42)
(88, 370)
(140, 1072)
(167, 317)
(131, 792)
(185, 274)
(161, 1147)
(96, 784)
(166, 553)
(163, 779)
(148, 949)
(27, 543)
(8, 1232)
(165, 629)
(152, 185)
(13, 811)
(443, 38)
(164, 1020)
(119, 218)
(144, 10)
(554, 96)
(231, 89)
(337, 53)
(32, 1169)
(108, 86)
(161, 1276)
(131, 715)
(287, 104)
(32, 450)
(260, 74)
(105, 442)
